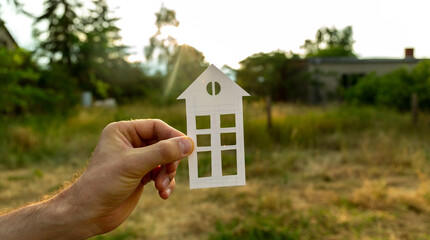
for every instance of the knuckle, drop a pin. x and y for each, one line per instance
(158, 121)
(158, 185)
(172, 184)
(172, 175)
(111, 126)
(115, 126)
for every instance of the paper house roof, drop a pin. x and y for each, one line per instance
(198, 89)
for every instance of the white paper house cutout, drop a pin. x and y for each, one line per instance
(213, 95)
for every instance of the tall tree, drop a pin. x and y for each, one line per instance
(181, 63)
(101, 56)
(83, 40)
(331, 42)
(19, 6)
(183, 67)
(277, 76)
(162, 47)
(60, 44)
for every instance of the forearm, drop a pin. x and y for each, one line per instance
(55, 218)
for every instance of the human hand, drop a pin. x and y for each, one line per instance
(129, 155)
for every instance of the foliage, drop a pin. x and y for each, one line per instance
(26, 88)
(183, 68)
(60, 44)
(102, 64)
(330, 42)
(282, 76)
(181, 63)
(17, 4)
(84, 41)
(166, 46)
(394, 89)
(19, 77)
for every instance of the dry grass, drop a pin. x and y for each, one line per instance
(324, 173)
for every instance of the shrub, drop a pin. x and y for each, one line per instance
(27, 88)
(393, 89)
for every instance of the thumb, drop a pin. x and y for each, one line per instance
(166, 151)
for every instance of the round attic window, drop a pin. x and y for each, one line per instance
(213, 88)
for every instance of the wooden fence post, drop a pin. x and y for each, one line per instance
(414, 108)
(269, 112)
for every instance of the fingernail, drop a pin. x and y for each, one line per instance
(168, 191)
(186, 145)
(166, 182)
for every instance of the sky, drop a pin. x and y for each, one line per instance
(228, 31)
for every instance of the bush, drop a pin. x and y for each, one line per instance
(26, 88)
(393, 89)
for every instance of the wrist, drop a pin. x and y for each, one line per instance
(68, 214)
(56, 218)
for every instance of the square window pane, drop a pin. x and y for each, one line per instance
(204, 164)
(203, 140)
(228, 120)
(229, 162)
(228, 139)
(203, 122)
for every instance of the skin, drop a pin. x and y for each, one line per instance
(128, 155)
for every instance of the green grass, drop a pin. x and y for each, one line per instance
(127, 234)
(332, 172)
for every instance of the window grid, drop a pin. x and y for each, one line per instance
(215, 131)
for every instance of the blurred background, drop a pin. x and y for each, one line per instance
(336, 128)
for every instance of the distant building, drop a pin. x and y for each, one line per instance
(332, 73)
(6, 39)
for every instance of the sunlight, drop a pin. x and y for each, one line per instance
(134, 58)
(174, 73)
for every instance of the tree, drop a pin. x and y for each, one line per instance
(101, 57)
(61, 42)
(331, 42)
(19, 6)
(87, 47)
(160, 47)
(19, 78)
(181, 63)
(277, 76)
(25, 87)
(394, 89)
(183, 67)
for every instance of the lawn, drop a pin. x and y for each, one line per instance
(332, 172)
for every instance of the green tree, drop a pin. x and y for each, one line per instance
(26, 88)
(19, 78)
(394, 89)
(160, 47)
(60, 44)
(331, 42)
(277, 74)
(181, 63)
(100, 56)
(19, 6)
(86, 47)
(183, 68)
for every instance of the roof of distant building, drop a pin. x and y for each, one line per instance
(344, 60)
(3, 27)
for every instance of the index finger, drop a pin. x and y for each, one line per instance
(155, 129)
(139, 133)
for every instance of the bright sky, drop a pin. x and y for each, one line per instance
(228, 31)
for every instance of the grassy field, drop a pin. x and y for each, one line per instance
(331, 172)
